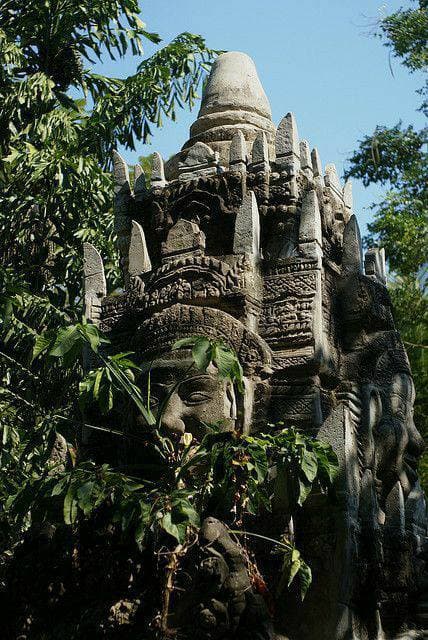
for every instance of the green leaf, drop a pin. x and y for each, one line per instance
(70, 505)
(144, 521)
(295, 565)
(97, 382)
(225, 360)
(305, 577)
(43, 343)
(92, 335)
(184, 342)
(202, 353)
(305, 488)
(170, 527)
(84, 497)
(59, 487)
(66, 340)
(282, 498)
(309, 464)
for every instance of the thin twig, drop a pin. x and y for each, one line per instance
(417, 346)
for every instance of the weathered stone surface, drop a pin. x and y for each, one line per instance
(305, 158)
(95, 282)
(331, 178)
(140, 186)
(263, 253)
(247, 228)
(139, 259)
(184, 237)
(233, 99)
(316, 162)
(158, 172)
(310, 219)
(260, 154)
(120, 174)
(374, 264)
(122, 202)
(287, 144)
(264, 257)
(197, 160)
(347, 195)
(352, 259)
(238, 153)
(234, 84)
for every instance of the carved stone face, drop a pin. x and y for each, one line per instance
(197, 397)
(399, 444)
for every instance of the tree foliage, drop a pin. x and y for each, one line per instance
(228, 474)
(60, 121)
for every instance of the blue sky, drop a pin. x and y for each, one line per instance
(317, 58)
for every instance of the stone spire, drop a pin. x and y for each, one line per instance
(233, 100)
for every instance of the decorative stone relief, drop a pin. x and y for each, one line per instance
(244, 238)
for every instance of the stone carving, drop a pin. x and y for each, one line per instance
(224, 603)
(158, 171)
(244, 238)
(233, 96)
(260, 155)
(95, 282)
(183, 237)
(138, 258)
(287, 144)
(198, 160)
(238, 153)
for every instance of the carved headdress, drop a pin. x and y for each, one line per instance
(239, 236)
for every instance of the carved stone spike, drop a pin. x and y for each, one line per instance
(382, 265)
(158, 172)
(310, 219)
(394, 509)
(332, 178)
(305, 158)
(120, 174)
(260, 151)
(287, 144)
(93, 269)
(347, 195)
(94, 286)
(352, 259)
(184, 237)
(198, 156)
(139, 259)
(247, 227)
(374, 264)
(140, 187)
(316, 163)
(238, 153)
(122, 201)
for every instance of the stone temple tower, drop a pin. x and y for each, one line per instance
(244, 236)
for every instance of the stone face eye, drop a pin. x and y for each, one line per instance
(154, 402)
(196, 397)
(198, 390)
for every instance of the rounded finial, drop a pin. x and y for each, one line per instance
(234, 84)
(233, 100)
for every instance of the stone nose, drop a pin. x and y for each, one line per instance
(172, 416)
